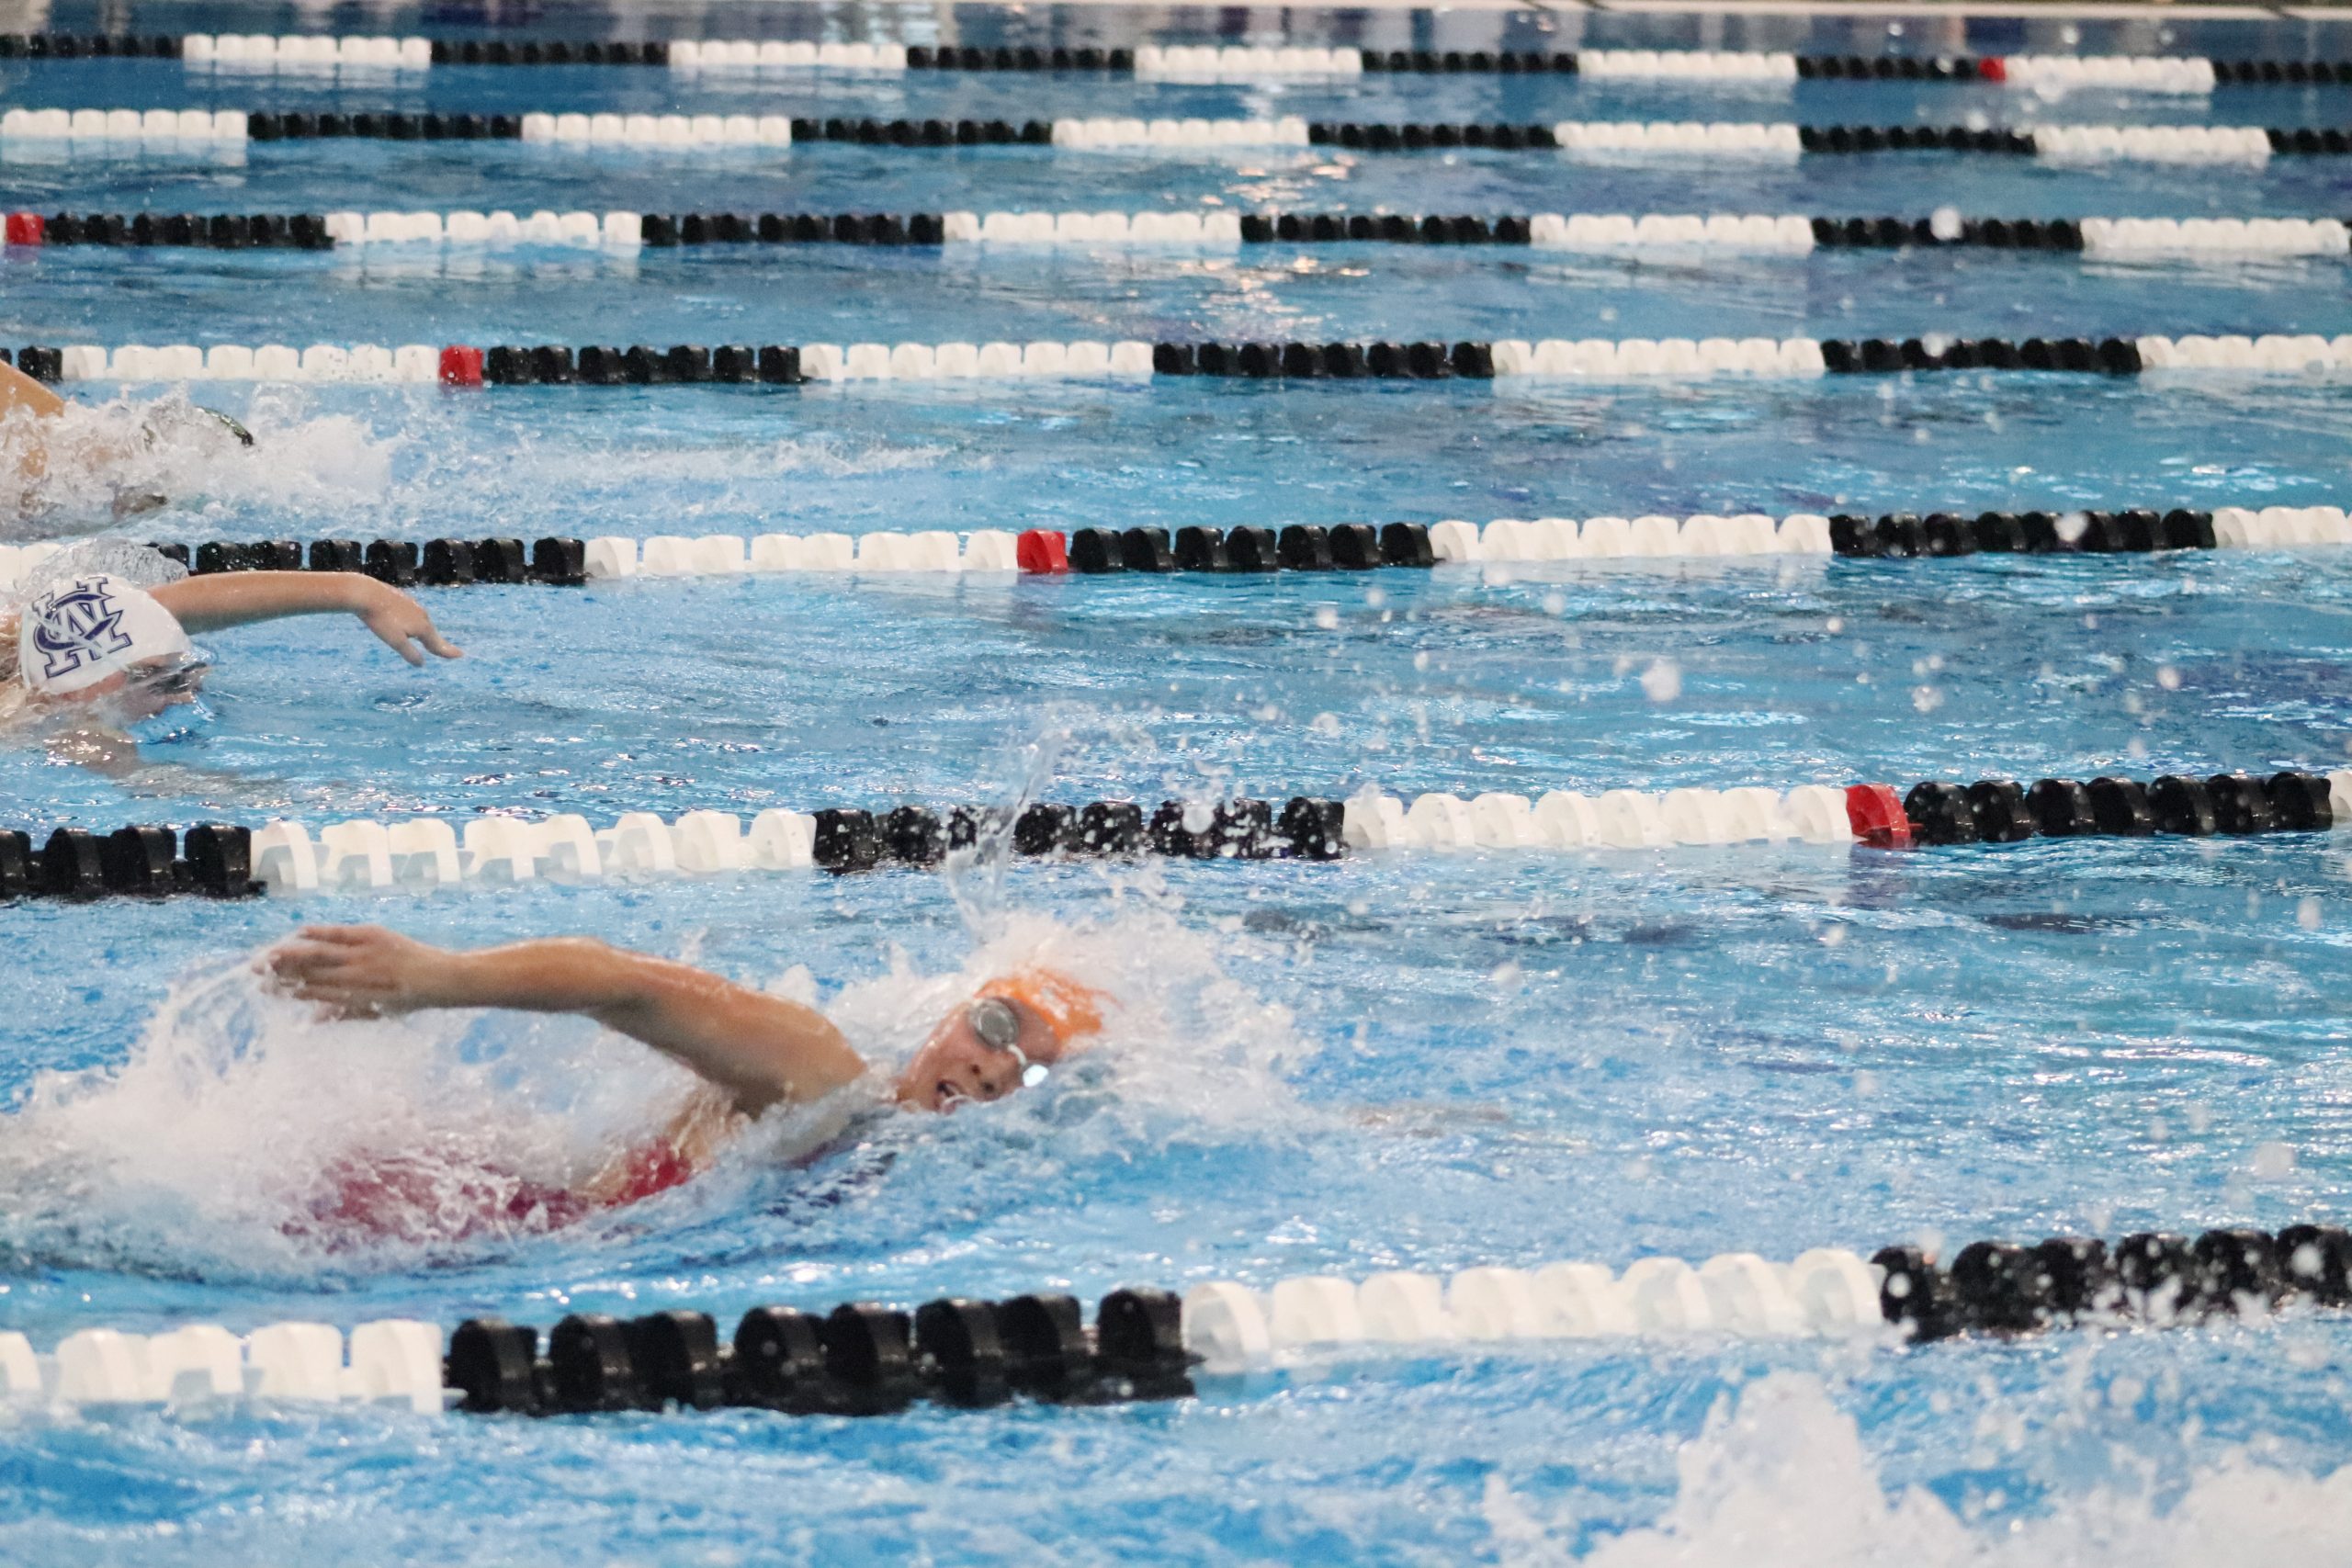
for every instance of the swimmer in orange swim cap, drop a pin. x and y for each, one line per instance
(1011, 1030)
(754, 1051)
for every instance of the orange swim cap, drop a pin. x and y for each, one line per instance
(1070, 1009)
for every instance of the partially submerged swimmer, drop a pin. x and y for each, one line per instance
(753, 1052)
(94, 637)
(104, 458)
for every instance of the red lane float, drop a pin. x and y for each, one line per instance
(1875, 813)
(460, 366)
(26, 229)
(1992, 68)
(1042, 552)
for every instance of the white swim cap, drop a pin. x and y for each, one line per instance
(76, 634)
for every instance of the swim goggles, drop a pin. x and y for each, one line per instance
(996, 1025)
(179, 679)
(159, 421)
(244, 437)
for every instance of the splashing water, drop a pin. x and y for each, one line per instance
(243, 1138)
(118, 466)
(1019, 773)
(109, 465)
(1785, 1478)
(135, 563)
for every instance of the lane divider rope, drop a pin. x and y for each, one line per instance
(395, 1362)
(1991, 1288)
(1354, 546)
(1743, 233)
(870, 1359)
(171, 128)
(117, 131)
(1247, 549)
(2144, 74)
(301, 52)
(1783, 141)
(1510, 361)
(224, 861)
(435, 563)
(861, 1358)
(1178, 63)
(2130, 530)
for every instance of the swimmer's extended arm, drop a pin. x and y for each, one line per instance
(760, 1049)
(218, 599)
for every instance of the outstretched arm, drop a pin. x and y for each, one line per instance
(760, 1049)
(219, 600)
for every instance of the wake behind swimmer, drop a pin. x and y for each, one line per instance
(46, 445)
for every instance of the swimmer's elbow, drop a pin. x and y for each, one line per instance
(588, 950)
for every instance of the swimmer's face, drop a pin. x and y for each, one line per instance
(145, 690)
(957, 1065)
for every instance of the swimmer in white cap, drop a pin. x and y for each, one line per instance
(752, 1051)
(91, 636)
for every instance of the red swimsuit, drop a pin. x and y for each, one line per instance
(406, 1201)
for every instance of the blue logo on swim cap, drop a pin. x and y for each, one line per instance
(76, 626)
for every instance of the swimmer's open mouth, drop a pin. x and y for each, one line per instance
(947, 1097)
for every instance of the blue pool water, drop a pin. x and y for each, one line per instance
(1425, 1062)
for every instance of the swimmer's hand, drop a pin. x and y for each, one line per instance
(402, 622)
(359, 971)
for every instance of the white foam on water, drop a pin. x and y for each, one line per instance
(1182, 1042)
(101, 459)
(215, 1143)
(126, 559)
(735, 479)
(827, 456)
(104, 464)
(1783, 1480)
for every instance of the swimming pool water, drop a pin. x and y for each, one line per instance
(1425, 1061)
